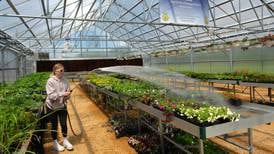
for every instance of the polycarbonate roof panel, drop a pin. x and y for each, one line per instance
(134, 22)
(30, 4)
(9, 22)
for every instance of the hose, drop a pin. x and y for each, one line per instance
(69, 116)
(70, 125)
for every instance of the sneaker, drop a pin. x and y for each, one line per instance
(58, 147)
(67, 145)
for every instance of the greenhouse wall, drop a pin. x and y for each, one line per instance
(236, 59)
(13, 66)
(8, 66)
(30, 65)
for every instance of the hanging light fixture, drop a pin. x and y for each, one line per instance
(67, 46)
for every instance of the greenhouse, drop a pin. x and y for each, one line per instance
(137, 76)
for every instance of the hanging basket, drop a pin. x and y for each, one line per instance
(269, 43)
(246, 44)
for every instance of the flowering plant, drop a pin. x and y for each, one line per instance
(208, 113)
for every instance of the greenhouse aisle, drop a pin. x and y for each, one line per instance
(96, 136)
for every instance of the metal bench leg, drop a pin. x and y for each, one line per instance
(161, 131)
(250, 140)
(201, 146)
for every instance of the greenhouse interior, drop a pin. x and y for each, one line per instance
(137, 76)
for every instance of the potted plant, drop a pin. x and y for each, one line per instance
(170, 108)
(267, 40)
(269, 43)
(245, 42)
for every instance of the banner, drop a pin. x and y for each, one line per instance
(189, 12)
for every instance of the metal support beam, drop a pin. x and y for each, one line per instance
(94, 14)
(13, 26)
(81, 23)
(25, 66)
(185, 38)
(91, 7)
(138, 17)
(6, 69)
(24, 32)
(58, 27)
(22, 19)
(79, 51)
(231, 60)
(137, 28)
(213, 15)
(201, 146)
(126, 12)
(235, 13)
(244, 33)
(47, 22)
(268, 6)
(97, 39)
(111, 33)
(191, 61)
(257, 16)
(16, 4)
(161, 134)
(155, 24)
(106, 45)
(64, 13)
(126, 22)
(250, 140)
(18, 61)
(55, 7)
(76, 13)
(3, 64)
(14, 49)
(16, 25)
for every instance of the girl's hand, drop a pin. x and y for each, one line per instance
(67, 93)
